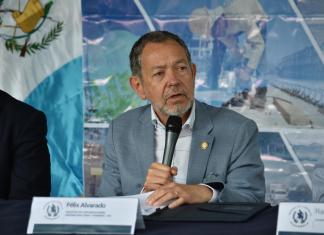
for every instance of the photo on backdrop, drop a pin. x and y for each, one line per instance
(261, 58)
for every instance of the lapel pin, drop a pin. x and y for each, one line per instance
(204, 145)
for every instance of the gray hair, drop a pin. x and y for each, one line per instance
(155, 37)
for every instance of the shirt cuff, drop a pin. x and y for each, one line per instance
(214, 196)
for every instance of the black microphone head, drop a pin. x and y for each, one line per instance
(174, 124)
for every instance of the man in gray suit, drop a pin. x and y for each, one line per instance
(217, 156)
(318, 181)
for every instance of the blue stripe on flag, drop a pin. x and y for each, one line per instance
(60, 96)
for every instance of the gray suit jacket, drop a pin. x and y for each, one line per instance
(231, 163)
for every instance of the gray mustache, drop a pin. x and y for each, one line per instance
(173, 92)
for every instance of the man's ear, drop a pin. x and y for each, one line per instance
(193, 70)
(137, 86)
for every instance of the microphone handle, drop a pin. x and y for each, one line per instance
(170, 142)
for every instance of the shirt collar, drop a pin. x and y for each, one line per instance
(187, 125)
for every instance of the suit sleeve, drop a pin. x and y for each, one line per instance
(110, 181)
(31, 174)
(245, 174)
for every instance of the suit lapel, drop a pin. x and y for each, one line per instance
(145, 140)
(201, 145)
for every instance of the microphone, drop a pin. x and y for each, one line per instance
(172, 131)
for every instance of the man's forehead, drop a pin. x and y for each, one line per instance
(151, 47)
(157, 54)
(160, 64)
(168, 41)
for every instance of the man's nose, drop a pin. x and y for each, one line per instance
(172, 77)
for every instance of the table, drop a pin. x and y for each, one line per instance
(14, 218)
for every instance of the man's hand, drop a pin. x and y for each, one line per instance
(159, 175)
(181, 194)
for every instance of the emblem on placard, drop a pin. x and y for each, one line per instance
(53, 210)
(21, 27)
(299, 216)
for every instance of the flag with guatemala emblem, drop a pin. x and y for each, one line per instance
(41, 64)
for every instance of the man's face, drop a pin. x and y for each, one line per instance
(167, 79)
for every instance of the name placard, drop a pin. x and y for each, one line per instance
(300, 218)
(84, 215)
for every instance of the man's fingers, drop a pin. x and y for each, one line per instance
(151, 187)
(159, 166)
(152, 179)
(174, 171)
(159, 197)
(180, 201)
(158, 173)
(155, 196)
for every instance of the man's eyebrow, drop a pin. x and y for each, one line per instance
(175, 63)
(181, 61)
(159, 67)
